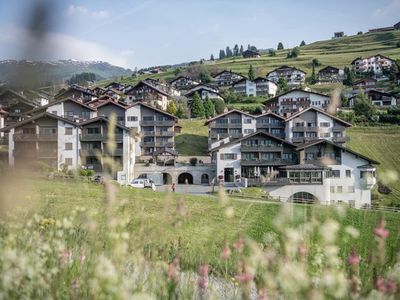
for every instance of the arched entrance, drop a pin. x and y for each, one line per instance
(205, 179)
(167, 178)
(303, 197)
(185, 178)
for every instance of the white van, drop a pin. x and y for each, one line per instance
(142, 183)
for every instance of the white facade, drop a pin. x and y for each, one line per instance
(349, 188)
(292, 76)
(295, 100)
(64, 154)
(376, 64)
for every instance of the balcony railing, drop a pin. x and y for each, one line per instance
(340, 139)
(19, 137)
(338, 128)
(299, 128)
(164, 144)
(90, 152)
(312, 129)
(270, 125)
(26, 153)
(100, 137)
(148, 144)
(218, 125)
(164, 133)
(259, 162)
(215, 135)
(263, 148)
(157, 123)
(148, 133)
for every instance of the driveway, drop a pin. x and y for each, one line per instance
(192, 189)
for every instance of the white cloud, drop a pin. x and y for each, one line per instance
(392, 8)
(78, 10)
(17, 43)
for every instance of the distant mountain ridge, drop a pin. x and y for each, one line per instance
(56, 72)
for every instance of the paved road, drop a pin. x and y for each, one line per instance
(192, 189)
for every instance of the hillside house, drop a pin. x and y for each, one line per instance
(146, 92)
(330, 75)
(76, 92)
(293, 76)
(227, 78)
(364, 84)
(317, 172)
(314, 124)
(295, 100)
(375, 64)
(204, 91)
(338, 35)
(258, 87)
(251, 54)
(183, 83)
(378, 98)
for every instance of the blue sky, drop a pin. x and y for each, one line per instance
(133, 33)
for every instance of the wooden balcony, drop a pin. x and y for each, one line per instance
(90, 152)
(21, 137)
(261, 148)
(270, 125)
(148, 144)
(148, 133)
(165, 133)
(338, 128)
(299, 129)
(157, 123)
(165, 144)
(312, 129)
(270, 162)
(85, 137)
(340, 139)
(218, 125)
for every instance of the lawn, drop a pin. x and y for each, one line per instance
(162, 225)
(192, 141)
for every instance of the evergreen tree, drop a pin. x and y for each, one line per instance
(294, 53)
(349, 77)
(248, 47)
(303, 43)
(241, 50)
(180, 113)
(280, 46)
(313, 79)
(363, 106)
(222, 54)
(229, 52)
(197, 107)
(171, 108)
(177, 71)
(236, 50)
(272, 53)
(219, 106)
(251, 73)
(282, 84)
(212, 57)
(209, 109)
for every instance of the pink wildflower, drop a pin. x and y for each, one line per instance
(173, 270)
(303, 251)
(245, 277)
(226, 253)
(380, 285)
(66, 256)
(82, 256)
(353, 258)
(380, 230)
(202, 282)
(239, 244)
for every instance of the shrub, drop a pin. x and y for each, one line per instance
(383, 189)
(193, 161)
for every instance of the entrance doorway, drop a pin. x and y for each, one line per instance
(228, 175)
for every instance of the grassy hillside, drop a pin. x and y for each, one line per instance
(383, 145)
(193, 138)
(338, 53)
(204, 227)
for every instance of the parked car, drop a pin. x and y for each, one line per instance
(142, 183)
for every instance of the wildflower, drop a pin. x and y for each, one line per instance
(353, 258)
(303, 251)
(380, 230)
(245, 277)
(239, 244)
(202, 282)
(82, 256)
(66, 256)
(226, 253)
(380, 285)
(173, 270)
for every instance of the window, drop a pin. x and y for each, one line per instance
(339, 189)
(68, 146)
(132, 118)
(247, 131)
(120, 119)
(148, 118)
(299, 124)
(68, 161)
(28, 130)
(325, 134)
(332, 189)
(287, 156)
(310, 156)
(350, 189)
(247, 121)
(228, 156)
(348, 173)
(324, 124)
(234, 121)
(94, 130)
(68, 131)
(54, 112)
(336, 173)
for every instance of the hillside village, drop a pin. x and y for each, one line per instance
(294, 146)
